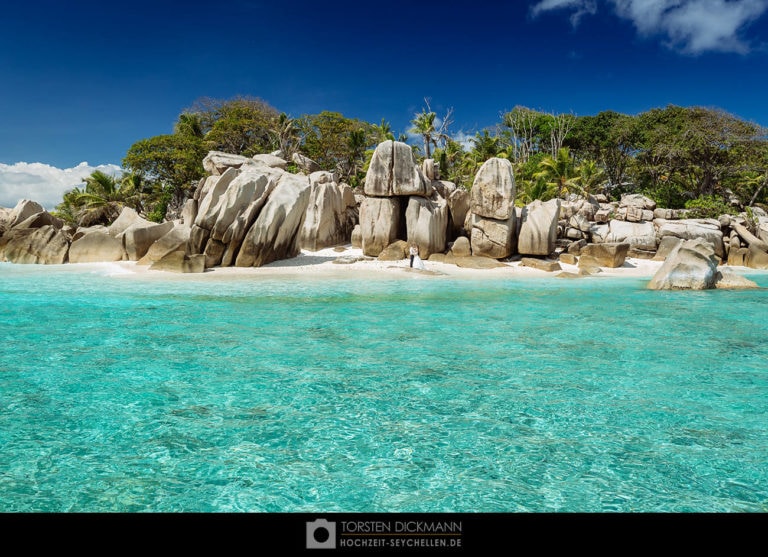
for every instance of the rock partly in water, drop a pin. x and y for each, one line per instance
(731, 281)
(691, 266)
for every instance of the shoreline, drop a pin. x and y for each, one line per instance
(321, 264)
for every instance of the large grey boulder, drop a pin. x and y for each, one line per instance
(125, 219)
(393, 171)
(4, 216)
(756, 258)
(639, 235)
(538, 231)
(727, 279)
(326, 223)
(396, 251)
(215, 187)
(45, 245)
(357, 237)
(96, 247)
(217, 162)
(81, 231)
(175, 239)
(491, 238)
(691, 266)
(43, 218)
(458, 207)
(138, 237)
(274, 234)
(271, 160)
(493, 190)
(426, 221)
(22, 211)
(235, 233)
(666, 246)
(189, 213)
(603, 255)
(690, 229)
(461, 247)
(233, 201)
(637, 201)
(304, 163)
(379, 223)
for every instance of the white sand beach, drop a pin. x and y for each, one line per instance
(321, 264)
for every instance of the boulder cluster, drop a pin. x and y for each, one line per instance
(251, 211)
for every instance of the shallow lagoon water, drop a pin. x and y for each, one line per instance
(399, 394)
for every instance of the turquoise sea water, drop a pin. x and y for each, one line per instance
(412, 394)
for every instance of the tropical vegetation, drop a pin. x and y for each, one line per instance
(704, 159)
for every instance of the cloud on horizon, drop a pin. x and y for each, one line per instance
(43, 183)
(690, 26)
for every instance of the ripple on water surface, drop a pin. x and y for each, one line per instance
(385, 395)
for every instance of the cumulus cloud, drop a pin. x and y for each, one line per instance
(689, 26)
(43, 183)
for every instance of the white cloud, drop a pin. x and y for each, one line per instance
(694, 26)
(43, 183)
(580, 8)
(690, 26)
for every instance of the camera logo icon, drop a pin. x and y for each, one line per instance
(321, 534)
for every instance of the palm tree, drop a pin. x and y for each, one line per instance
(589, 176)
(485, 146)
(384, 131)
(101, 200)
(424, 125)
(356, 143)
(189, 124)
(558, 171)
(285, 135)
(531, 190)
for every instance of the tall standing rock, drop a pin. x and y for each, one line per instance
(426, 222)
(492, 205)
(393, 171)
(493, 191)
(274, 235)
(326, 223)
(379, 223)
(538, 231)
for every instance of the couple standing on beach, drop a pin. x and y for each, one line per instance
(415, 259)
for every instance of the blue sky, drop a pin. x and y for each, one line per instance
(81, 81)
